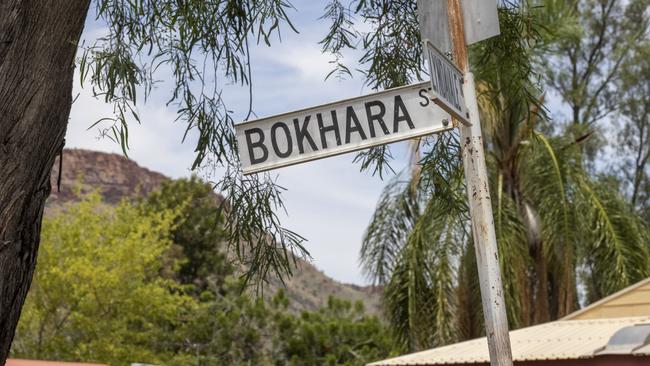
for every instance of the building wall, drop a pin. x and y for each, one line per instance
(632, 301)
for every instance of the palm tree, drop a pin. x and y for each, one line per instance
(558, 228)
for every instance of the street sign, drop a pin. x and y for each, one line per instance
(480, 19)
(434, 23)
(340, 127)
(447, 83)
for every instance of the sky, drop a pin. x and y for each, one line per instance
(328, 201)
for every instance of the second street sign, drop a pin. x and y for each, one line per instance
(340, 127)
(447, 83)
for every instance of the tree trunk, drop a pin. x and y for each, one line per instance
(542, 313)
(38, 43)
(539, 284)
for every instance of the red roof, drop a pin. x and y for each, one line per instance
(16, 362)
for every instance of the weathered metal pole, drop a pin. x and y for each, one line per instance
(480, 205)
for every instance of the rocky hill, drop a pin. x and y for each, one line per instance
(117, 177)
(113, 175)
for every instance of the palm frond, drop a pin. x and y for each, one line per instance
(420, 299)
(616, 249)
(544, 173)
(395, 216)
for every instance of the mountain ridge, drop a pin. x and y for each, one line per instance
(117, 177)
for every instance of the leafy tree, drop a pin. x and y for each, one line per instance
(229, 327)
(590, 52)
(633, 142)
(201, 42)
(110, 288)
(198, 42)
(338, 334)
(585, 66)
(98, 294)
(557, 226)
(235, 329)
(198, 231)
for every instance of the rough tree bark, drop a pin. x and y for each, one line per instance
(38, 42)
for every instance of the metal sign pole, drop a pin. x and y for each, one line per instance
(478, 192)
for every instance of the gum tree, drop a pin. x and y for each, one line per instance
(633, 143)
(197, 42)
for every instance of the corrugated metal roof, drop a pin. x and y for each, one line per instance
(558, 340)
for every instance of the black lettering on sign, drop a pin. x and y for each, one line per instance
(454, 91)
(446, 82)
(302, 134)
(257, 144)
(401, 114)
(443, 79)
(437, 76)
(274, 139)
(449, 86)
(334, 127)
(423, 95)
(453, 95)
(459, 86)
(379, 117)
(351, 117)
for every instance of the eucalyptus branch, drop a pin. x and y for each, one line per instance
(197, 46)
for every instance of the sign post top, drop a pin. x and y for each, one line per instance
(480, 20)
(434, 23)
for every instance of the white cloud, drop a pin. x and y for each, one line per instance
(154, 144)
(305, 60)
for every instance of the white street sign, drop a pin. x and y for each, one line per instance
(447, 83)
(340, 127)
(480, 19)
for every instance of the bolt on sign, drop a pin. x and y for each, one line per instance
(447, 83)
(340, 127)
